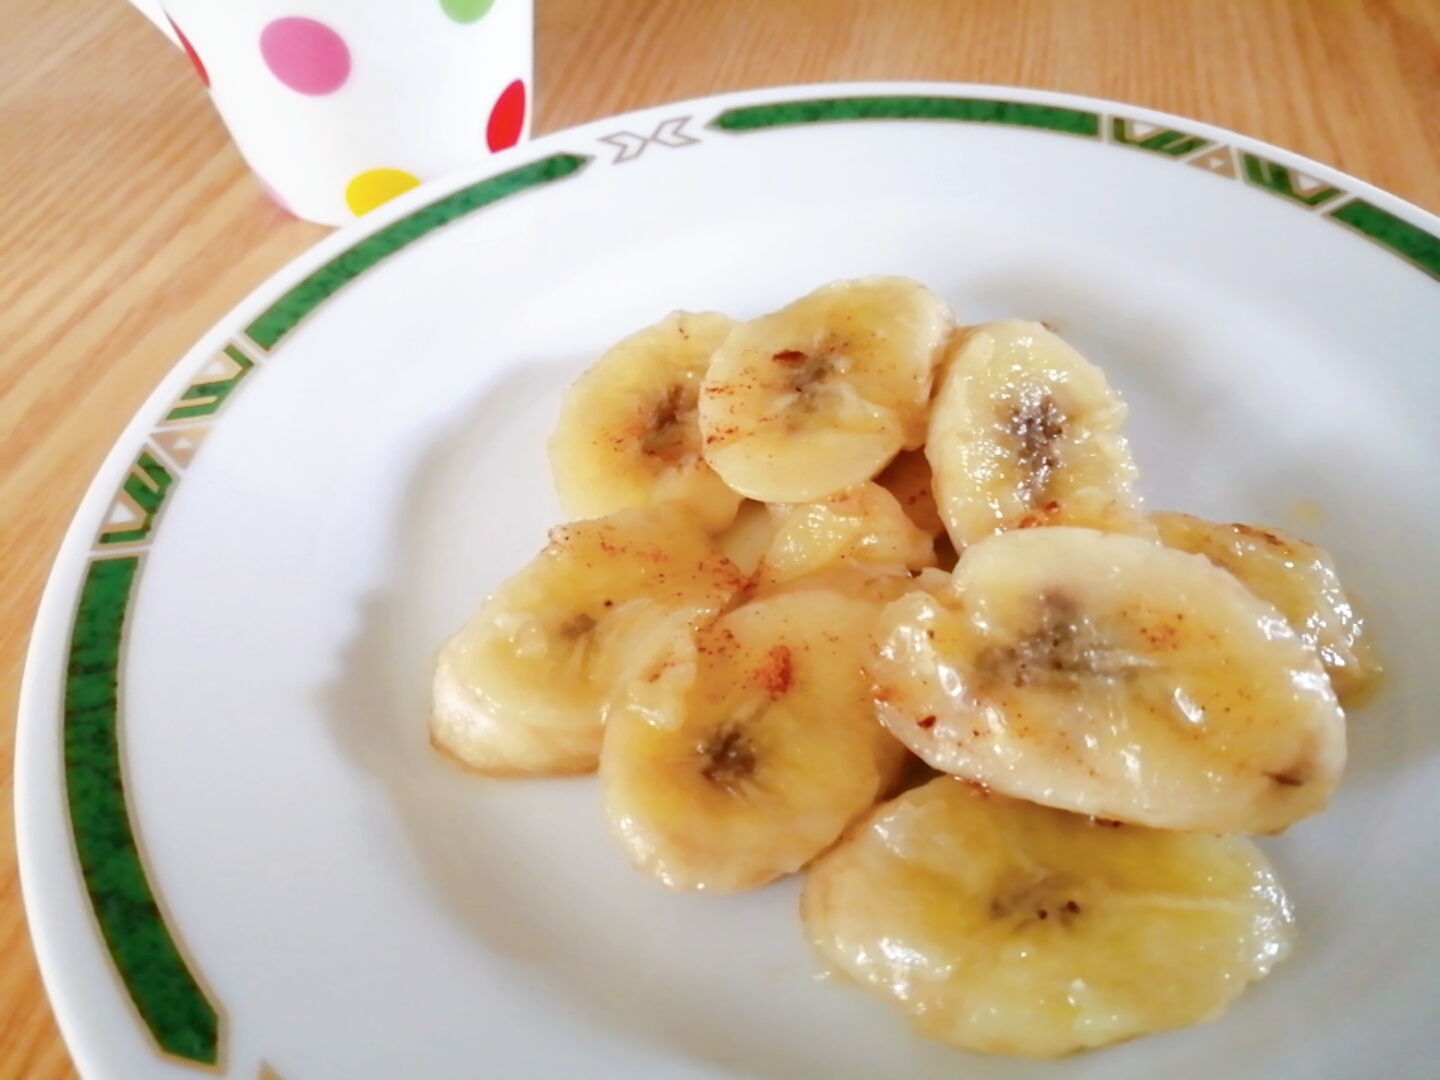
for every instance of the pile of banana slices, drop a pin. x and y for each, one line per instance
(855, 590)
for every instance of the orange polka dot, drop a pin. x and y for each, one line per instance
(377, 187)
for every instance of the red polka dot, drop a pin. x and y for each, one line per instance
(305, 55)
(190, 52)
(507, 118)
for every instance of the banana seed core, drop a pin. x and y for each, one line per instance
(1037, 423)
(1043, 899)
(1062, 650)
(577, 627)
(729, 757)
(667, 430)
(808, 374)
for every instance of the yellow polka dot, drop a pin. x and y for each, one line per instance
(376, 188)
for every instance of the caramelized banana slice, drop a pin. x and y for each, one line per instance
(1009, 928)
(522, 689)
(753, 765)
(1109, 675)
(628, 434)
(1025, 432)
(863, 524)
(910, 479)
(822, 394)
(1297, 577)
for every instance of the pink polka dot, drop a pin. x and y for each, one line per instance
(305, 55)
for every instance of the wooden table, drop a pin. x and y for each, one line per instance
(130, 225)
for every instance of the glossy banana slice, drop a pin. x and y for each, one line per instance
(1025, 431)
(802, 403)
(861, 524)
(1108, 675)
(1009, 928)
(758, 761)
(628, 435)
(522, 689)
(1299, 578)
(747, 538)
(910, 479)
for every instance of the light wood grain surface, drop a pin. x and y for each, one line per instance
(130, 225)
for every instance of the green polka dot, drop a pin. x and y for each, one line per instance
(467, 11)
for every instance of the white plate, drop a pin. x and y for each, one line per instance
(291, 883)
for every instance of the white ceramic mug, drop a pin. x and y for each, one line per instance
(340, 105)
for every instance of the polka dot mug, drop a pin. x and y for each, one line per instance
(340, 105)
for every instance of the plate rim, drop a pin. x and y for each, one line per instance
(51, 629)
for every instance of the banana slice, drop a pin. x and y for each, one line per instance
(1109, 675)
(822, 394)
(863, 523)
(1025, 431)
(628, 435)
(522, 689)
(1297, 577)
(876, 586)
(759, 763)
(1010, 928)
(749, 536)
(910, 479)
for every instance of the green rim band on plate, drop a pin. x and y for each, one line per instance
(969, 110)
(1167, 141)
(172, 1003)
(146, 485)
(167, 995)
(285, 314)
(1280, 180)
(1410, 242)
(204, 398)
